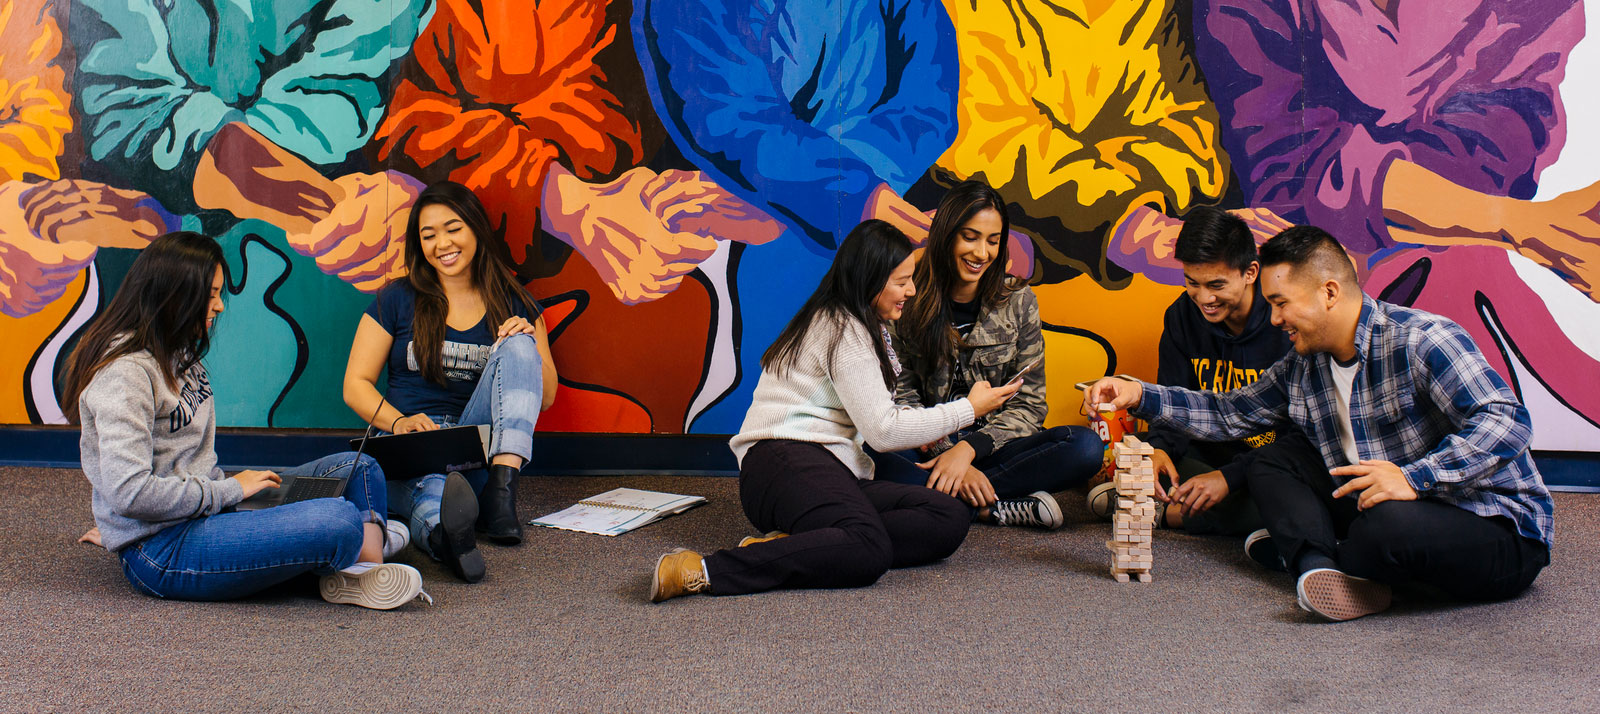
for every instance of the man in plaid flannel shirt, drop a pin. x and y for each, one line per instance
(1411, 460)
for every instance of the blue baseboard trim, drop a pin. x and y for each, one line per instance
(565, 454)
(1577, 471)
(556, 454)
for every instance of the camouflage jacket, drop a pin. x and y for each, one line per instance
(1005, 338)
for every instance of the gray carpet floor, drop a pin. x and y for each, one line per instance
(1017, 620)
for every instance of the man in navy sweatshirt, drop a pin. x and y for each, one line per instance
(1218, 336)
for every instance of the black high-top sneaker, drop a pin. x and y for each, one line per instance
(1038, 509)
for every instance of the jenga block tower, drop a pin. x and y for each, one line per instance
(1135, 515)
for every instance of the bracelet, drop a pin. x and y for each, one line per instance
(396, 421)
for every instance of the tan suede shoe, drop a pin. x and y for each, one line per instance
(680, 572)
(752, 540)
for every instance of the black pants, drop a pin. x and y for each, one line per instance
(1424, 541)
(843, 532)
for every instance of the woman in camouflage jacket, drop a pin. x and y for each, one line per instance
(970, 322)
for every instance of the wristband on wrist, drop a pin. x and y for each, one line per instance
(396, 421)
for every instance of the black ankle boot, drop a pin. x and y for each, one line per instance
(453, 541)
(497, 513)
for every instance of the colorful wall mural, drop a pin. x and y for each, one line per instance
(672, 176)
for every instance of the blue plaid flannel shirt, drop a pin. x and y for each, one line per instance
(1424, 399)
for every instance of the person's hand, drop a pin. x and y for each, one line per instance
(91, 536)
(1119, 393)
(1164, 466)
(415, 422)
(946, 471)
(254, 481)
(976, 490)
(1200, 492)
(515, 326)
(985, 398)
(1378, 481)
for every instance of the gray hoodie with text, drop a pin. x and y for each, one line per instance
(148, 450)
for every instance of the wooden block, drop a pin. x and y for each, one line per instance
(1143, 577)
(1121, 577)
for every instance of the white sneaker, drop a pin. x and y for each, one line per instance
(1038, 509)
(379, 586)
(399, 538)
(1103, 500)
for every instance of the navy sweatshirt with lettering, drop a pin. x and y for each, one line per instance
(1196, 354)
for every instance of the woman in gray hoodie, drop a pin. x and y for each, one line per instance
(136, 385)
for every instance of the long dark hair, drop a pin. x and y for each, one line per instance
(926, 323)
(490, 272)
(161, 306)
(860, 270)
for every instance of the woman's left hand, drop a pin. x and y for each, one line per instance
(948, 470)
(515, 326)
(92, 536)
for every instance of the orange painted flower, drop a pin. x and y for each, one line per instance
(498, 90)
(34, 120)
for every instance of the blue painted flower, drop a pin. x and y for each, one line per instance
(156, 78)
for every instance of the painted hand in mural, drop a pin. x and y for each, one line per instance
(643, 232)
(51, 231)
(1145, 240)
(353, 225)
(886, 205)
(496, 96)
(1562, 234)
(157, 79)
(33, 98)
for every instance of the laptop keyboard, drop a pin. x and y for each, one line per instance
(306, 488)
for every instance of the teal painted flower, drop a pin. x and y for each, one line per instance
(157, 78)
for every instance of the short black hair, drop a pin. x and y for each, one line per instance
(1309, 247)
(1212, 235)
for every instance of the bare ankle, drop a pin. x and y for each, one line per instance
(371, 544)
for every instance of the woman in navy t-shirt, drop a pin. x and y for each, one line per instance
(463, 343)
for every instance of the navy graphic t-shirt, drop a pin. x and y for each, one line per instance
(464, 355)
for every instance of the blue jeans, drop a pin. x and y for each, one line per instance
(507, 398)
(1050, 460)
(236, 553)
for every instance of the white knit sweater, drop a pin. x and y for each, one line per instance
(834, 395)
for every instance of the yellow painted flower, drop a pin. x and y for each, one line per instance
(34, 120)
(1079, 110)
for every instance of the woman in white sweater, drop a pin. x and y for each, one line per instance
(136, 385)
(826, 387)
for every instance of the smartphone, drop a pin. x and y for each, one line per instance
(1036, 362)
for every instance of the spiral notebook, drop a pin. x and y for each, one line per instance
(618, 511)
